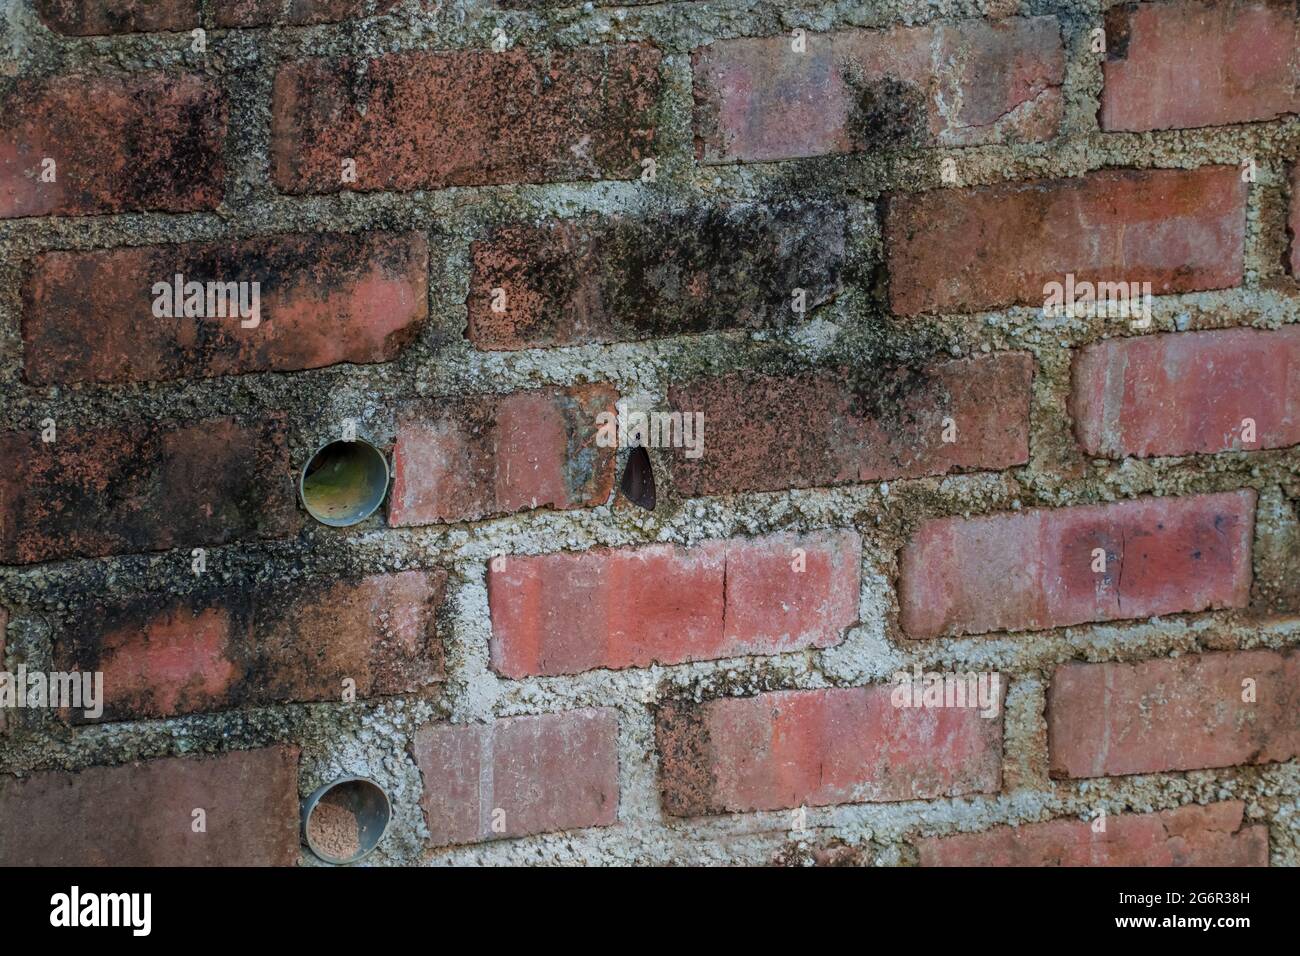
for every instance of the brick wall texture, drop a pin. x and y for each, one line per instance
(961, 341)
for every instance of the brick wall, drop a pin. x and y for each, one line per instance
(480, 229)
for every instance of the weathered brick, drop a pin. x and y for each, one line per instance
(821, 747)
(519, 776)
(468, 118)
(141, 814)
(324, 299)
(1188, 393)
(256, 13)
(146, 142)
(963, 250)
(487, 455)
(147, 487)
(101, 17)
(1034, 569)
(950, 84)
(1213, 835)
(565, 613)
(1184, 713)
(162, 656)
(836, 426)
(619, 278)
(1195, 63)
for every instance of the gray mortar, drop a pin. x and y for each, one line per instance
(373, 738)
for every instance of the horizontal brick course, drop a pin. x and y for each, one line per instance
(1183, 713)
(1034, 569)
(818, 747)
(519, 776)
(142, 814)
(965, 250)
(836, 426)
(629, 607)
(324, 299)
(1188, 393)
(467, 118)
(951, 84)
(1213, 835)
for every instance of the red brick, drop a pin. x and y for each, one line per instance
(963, 250)
(256, 13)
(1213, 835)
(1183, 713)
(467, 118)
(836, 426)
(146, 142)
(569, 612)
(525, 774)
(147, 487)
(100, 17)
(487, 455)
(228, 647)
(141, 814)
(1188, 393)
(821, 747)
(619, 278)
(1188, 64)
(324, 299)
(951, 84)
(1033, 569)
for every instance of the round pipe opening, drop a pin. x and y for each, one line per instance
(344, 482)
(344, 820)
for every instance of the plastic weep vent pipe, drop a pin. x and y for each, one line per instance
(344, 482)
(344, 820)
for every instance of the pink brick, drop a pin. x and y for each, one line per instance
(964, 250)
(569, 612)
(525, 774)
(487, 455)
(1213, 835)
(1184, 713)
(141, 814)
(1195, 63)
(228, 647)
(1033, 569)
(821, 747)
(324, 299)
(952, 84)
(1188, 393)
